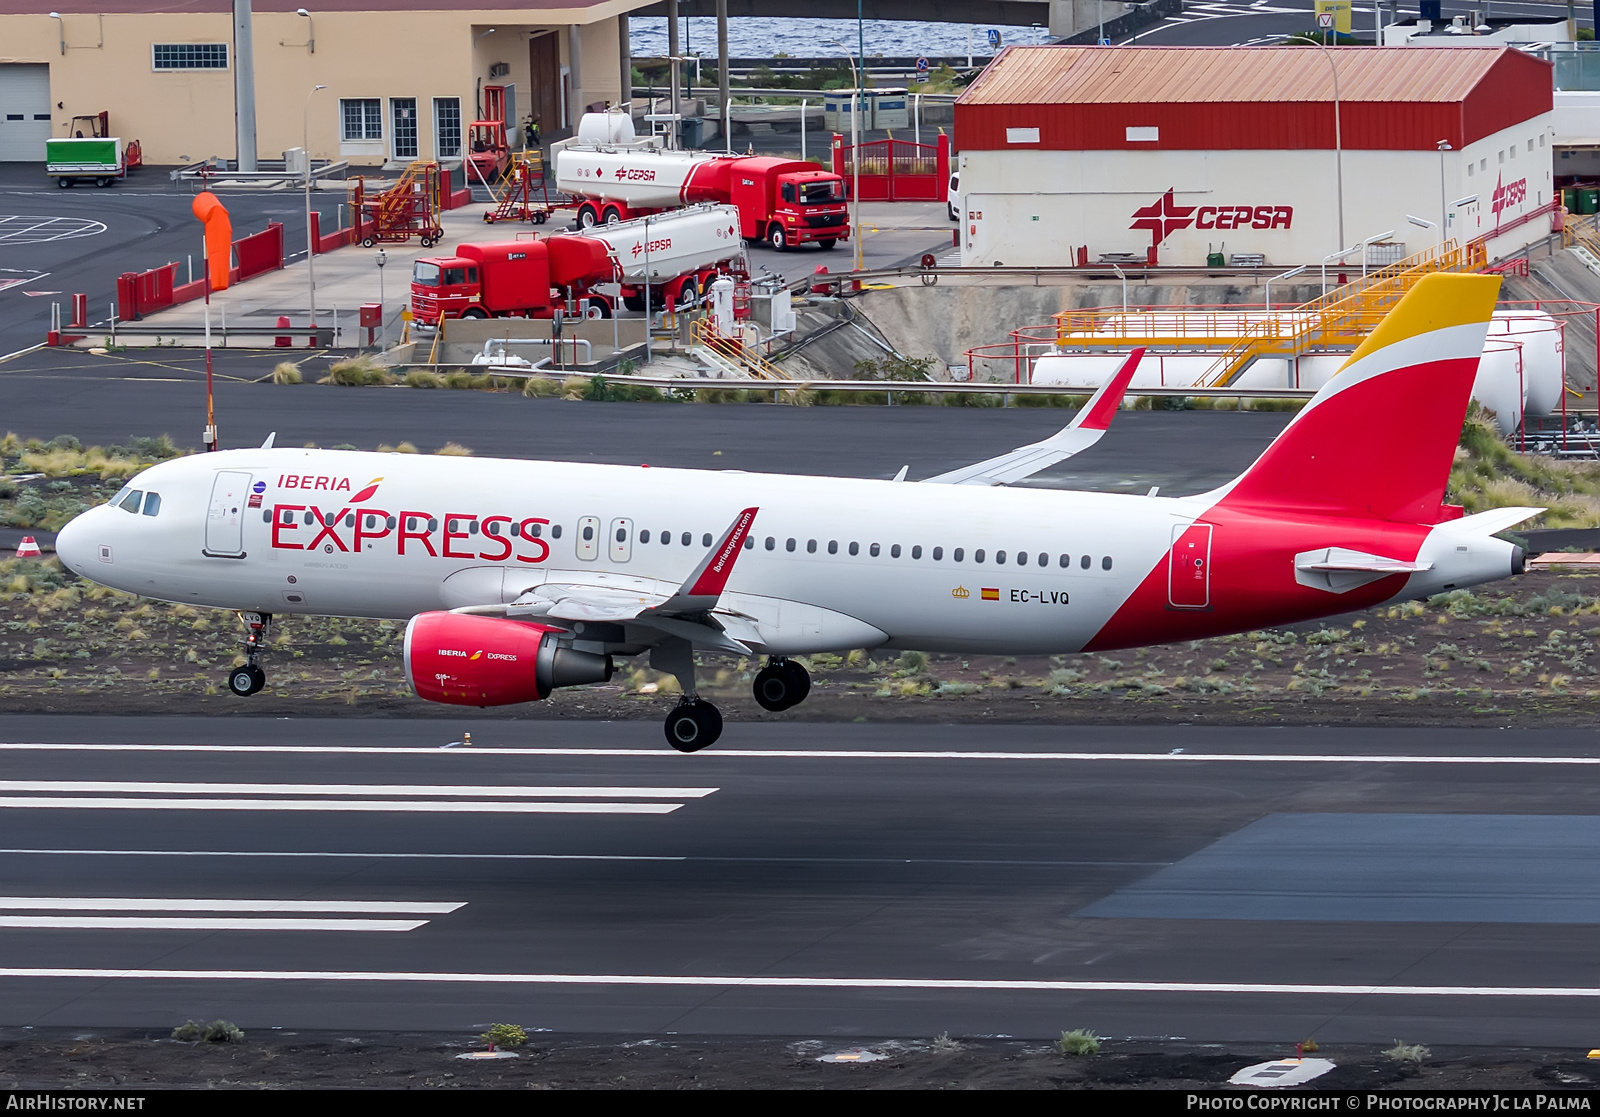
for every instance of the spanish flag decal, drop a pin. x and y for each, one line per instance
(990, 594)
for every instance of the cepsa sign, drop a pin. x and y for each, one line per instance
(1164, 216)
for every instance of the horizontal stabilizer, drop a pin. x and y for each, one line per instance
(1084, 431)
(1340, 569)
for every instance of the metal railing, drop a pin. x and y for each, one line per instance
(703, 333)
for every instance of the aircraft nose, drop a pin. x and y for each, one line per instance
(72, 543)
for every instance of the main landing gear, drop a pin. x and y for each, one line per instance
(782, 683)
(693, 723)
(247, 680)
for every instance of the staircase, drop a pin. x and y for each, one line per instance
(729, 355)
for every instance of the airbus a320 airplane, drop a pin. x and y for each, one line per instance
(522, 576)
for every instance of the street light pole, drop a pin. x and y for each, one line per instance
(381, 259)
(311, 249)
(1444, 208)
(855, 152)
(1338, 144)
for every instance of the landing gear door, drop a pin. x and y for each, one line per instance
(1189, 567)
(225, 517)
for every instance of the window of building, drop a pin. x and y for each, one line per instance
(189, 56)
(404, 111)
(1502, 157)
(1469, 170)
(1513, 151)
(447, 127)
(1530, 145)
(360, 118)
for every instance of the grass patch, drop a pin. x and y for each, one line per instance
(1488, 474)
(218, 1031)
(358, 372)
(287, 372)
(1411, 1054)
(1079, 1041)
(453, 450)
(422, 378)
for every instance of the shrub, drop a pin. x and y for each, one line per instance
(357, 372)
(914, 662)
(1079, 1041)
(1411, 1054)
(458, 378)
(453, 450)
(504, 1035)
(287, 372)
(423, 378)
(539, 387)
(218, 1031)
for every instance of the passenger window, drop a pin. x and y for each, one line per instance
(977, 556)
(1044, 559)
(1105, 563)
(666, 538)
(1084, 562)
(771, 543)
(789, 546)
(894, 552)
(1022, 558)
(350, 520)
(534, 531)
(644, 536)
(390, 522)
(1000, 557)
(307, 517)
(811, 546)
(916, 552)
(588, 533)
(687, 538)
(1066, 561)
(833, 546)
(874, 550)
(622, 533)
(555, 531)
(705, 540)
(938, 554)
(855, 548)
(433, 524)
(130, 503)
(152, 504)
(956, 556)
(749, 542)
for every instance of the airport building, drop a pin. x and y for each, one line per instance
(1176, 154)
(403, 78)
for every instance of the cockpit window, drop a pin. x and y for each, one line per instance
(152, 504)
(130, 502)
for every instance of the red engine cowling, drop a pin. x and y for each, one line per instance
(467, 660)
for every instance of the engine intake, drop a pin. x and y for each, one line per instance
(466, 660)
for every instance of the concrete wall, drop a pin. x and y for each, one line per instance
(1027, 207)
(186, 116)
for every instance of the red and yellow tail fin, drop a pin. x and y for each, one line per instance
(1377, 441)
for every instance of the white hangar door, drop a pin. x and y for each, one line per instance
(24, 112)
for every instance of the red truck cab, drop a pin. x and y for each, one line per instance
(511, 279)
(782, 201)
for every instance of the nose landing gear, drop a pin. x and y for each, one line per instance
(781, 684)
(247, 680)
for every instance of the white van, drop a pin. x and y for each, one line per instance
(953, 200)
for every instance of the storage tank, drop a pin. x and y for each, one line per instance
(1539, 336)
(637, 179)
(684, 241)
(606, 128)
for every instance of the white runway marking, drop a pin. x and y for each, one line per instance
(17, 229)
(767, 982)
(199, 923)
(378, 856)
(418, 806)
(823, 754)
(127, 903)
(554, 791)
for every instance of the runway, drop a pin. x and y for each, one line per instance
(1203, 884)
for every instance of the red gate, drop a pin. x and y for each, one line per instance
(897, 170)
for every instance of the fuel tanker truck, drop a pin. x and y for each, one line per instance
(781, 201)
(675, 255)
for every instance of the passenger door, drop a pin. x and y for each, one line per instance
(588, 538)
(225, 516)
(1189, 567)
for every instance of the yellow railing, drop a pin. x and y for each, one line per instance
(1582, 232)
(703, 331)
(1339, 319)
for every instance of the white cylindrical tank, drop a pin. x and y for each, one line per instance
(722, 305)
(1538, 335)
(605, 128)
(1502, 383)
(680, 242)
(643, 179)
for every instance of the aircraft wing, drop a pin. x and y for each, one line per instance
(684, 612)
(1084, 431)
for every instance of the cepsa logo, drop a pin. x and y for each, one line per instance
(652, 246)
(1507, 195)
(1164, 216)
(357, 528)
(635, 174)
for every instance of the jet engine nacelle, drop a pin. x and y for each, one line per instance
(468, 660)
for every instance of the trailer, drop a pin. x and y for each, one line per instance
(784, 202)
(74, 159)
(676, 254)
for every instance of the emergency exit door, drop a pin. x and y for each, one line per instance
(225, 517)
(1189, 567)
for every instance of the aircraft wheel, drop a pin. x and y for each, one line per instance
(693, 725)
(781, 684)
(245, 681)
(802, 681)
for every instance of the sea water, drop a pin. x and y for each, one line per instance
(767, 37)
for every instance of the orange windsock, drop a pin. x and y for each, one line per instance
(219, 237)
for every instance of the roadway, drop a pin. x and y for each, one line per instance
(108, 399)
(802, 879)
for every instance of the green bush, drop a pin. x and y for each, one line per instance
(422, 378)
(504, 1035)
(218, 1031)
(1079, 1041)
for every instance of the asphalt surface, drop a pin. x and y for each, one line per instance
(108, 399)
(862, 884)
(147, 221)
